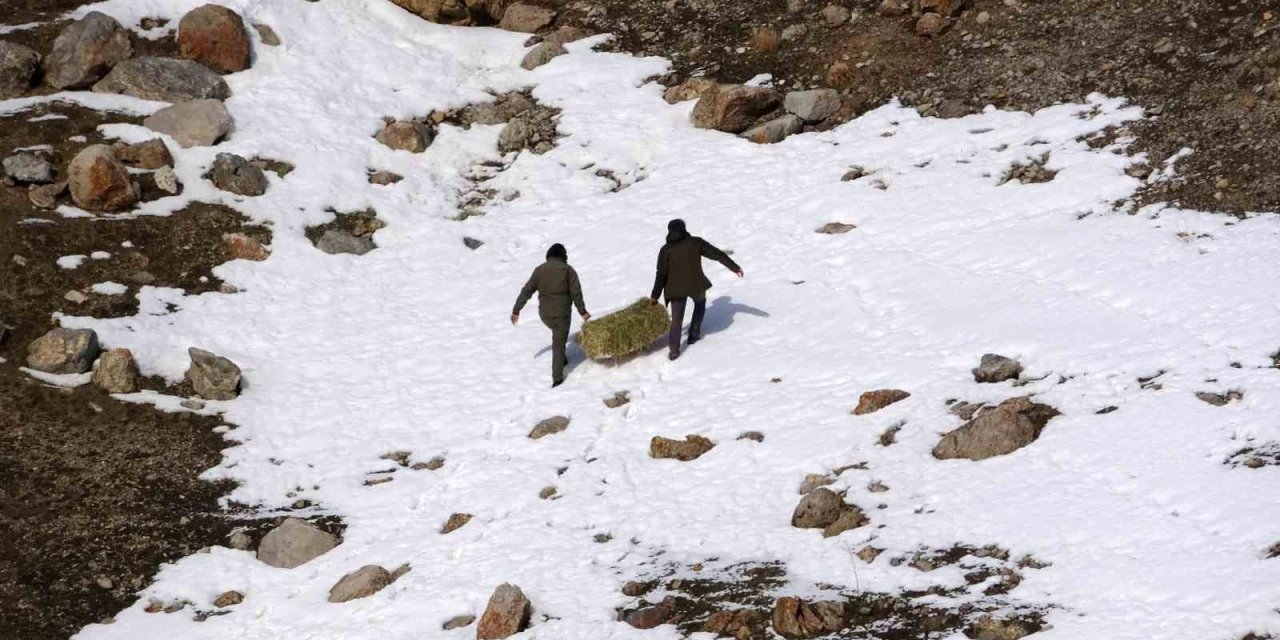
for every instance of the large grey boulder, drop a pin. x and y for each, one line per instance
(18, 66)
(117, 372)
(997, 368)
(1012, 425)
(361, 583)
(213, 377)
(198, 123)
(85, 51)
(506, 614)
(28, 168)
(812, 105)
(99, 182)
(294, 543)
(165, 80)
(237, 175)
(336, 241)
(64, 351)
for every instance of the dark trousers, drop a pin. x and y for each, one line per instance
(559, 341)
(677, 320)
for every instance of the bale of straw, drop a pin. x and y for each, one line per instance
(624, 332)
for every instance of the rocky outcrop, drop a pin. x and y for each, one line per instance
(213, 377)
(507, 614)
(691, 448)
(235, 174)
(361, 583)
(117, 372)
(691, 89)
(64, 351)
(294, 543)
(1012, 425)
(554, 424)
(149, 155)
(165, 80)
(85, 51)
(997, 368)
(411, 136)
(215, 36)
(733, 108)
(98, 182)
(742, 624)
(796, 619)
(198, 123)
(873, 401)
(534, 129)
(18, 66)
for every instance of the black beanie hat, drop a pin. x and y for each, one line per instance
(557, 251)
(676, 226)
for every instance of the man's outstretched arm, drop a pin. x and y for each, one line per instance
(710, 252)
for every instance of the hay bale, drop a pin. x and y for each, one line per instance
(624, 332)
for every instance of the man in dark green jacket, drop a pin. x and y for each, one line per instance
(557, 286)
(680, 278)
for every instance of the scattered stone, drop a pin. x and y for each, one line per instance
(294, 543)
(361, 583)
(336, 241)
(548, 492)
(228, 599)
(410, 136)
(213, 377)
(931, 25)
(384, 178)
(851, 517)
(552, 425)
(997, 368)
(852, 174)
(85, 51)
(868, 554)
(894, 8)
(458, 622)
(836, 228)
(237, 175)
(951, 109)
(691, 448)
(733, 108)
(653, 616)
(46, 196)
(98, 182)
(743, 624)
(526, 18)
(813, 481)
(472, 243)
(1219, 399)
(28, 168)
(243, 247)
(455, 522)
(619, 399)
(267, 35)
(1012, 425)
(507, 614)
(966, 410)
(754, 436)
(117, 372)
(691, 89)
(534, 130)
(835, 15)
(239, 540)
(636, 588)
(64, 351)
(199, 123)
(813, 105)
(215, 36)
(949, 8)
(76, 297)
(150, 155)
(839, 75)
(794, 32)
(541, 54)
(818, 508)
(566, 34)
(166, 180)
(18, 66)
(774, 130)
(165, 80)
(877, 487)
(794, 618)
(991, 628)
(873, 401)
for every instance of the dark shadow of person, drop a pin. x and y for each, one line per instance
(721, 311)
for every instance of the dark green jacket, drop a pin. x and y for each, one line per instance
(680, 267)
(557, 286)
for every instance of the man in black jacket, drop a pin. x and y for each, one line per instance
(680, 278)
(557, 286)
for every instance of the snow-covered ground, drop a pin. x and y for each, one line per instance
(347, 358)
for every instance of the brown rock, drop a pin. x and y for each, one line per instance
(813, 481)
(527, 18)
(116, 372)
(361, 583)
(794, 618)
(868, 554)
(243, 247)
(991, 628)
(690, 89)
(215, 36)
(894, 8)
(1012, 425)
(228, 599)
(691, 448)
(151, 154)
(413, 137)
(818, 509)
(552, 425)
(541, 54)
(98, 181)
(212, 376)
(64, 351)
(384, 178)
(636, 588)
(949, 8)
(45, 196)
(652, 616)
(566, 34)
(754, 436)
(619, 399)
(931, 25)
(851, 517)
(873, 401)
(267, 35)
(836, 228)
(455, 522)
(742, 624)
(85, 51)
(458, 622)
(506, 614)
(733, 108)
(839, 75)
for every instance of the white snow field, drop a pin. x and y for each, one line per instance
(1149, 534)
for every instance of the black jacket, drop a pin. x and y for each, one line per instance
(557, 286)
(680, 272)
